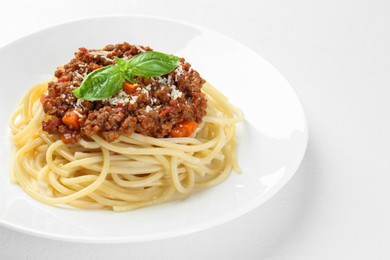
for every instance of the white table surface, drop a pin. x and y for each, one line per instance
(336, 54)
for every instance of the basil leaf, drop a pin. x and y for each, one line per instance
(122, 64)
(128, 75)
(125, 70)
(105, 82)
(100, 84)
(152, 64)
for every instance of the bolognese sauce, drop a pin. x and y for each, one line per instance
(167, 106)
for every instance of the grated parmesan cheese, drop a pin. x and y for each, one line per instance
(79, 75)
(153, 100)
(133, 99)
(179, 71)
(169, 81)
(144, 91)
(99, 52)
(78, 104)
(120, 97)
(162, 80)
(148, 109)
(175, 93)
(139, 48)
(77, 113)
(102, 54)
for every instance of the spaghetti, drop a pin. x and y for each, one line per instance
(128, 173)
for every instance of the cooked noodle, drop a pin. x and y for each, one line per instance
(132, 172)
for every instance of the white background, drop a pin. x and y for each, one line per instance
(336, 54)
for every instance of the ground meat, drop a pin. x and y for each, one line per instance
(154, 108)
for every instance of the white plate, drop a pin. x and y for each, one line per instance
(272, 141)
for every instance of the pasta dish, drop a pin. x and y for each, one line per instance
(120, 128)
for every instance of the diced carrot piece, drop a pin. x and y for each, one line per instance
(184, 129)
(64, 78)
(96, 66)
(71, 119)
(129, 87)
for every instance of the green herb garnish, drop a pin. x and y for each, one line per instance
(105, 82)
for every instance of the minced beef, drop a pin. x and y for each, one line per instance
(154, 108)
